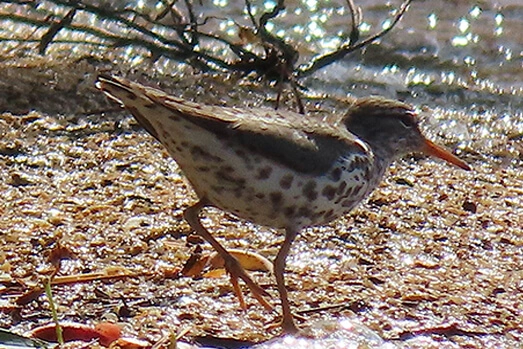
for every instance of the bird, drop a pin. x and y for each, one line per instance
(276, 168)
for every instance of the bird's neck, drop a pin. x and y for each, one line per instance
(383, 157)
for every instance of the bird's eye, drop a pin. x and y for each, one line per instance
(407, 119)
(405, 124)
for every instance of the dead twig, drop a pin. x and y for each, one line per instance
(277, 63)
(193, 26)
(47, 38)
(356, 16)
(329, 58)
(248, 6)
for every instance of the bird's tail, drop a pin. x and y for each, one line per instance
(130, 96)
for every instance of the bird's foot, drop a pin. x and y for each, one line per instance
(236, 271)
(287, 324)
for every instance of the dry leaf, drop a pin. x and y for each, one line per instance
(248, 260)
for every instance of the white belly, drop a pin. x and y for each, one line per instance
(266, 193)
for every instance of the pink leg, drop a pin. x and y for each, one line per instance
(232, 265)
(287, 324)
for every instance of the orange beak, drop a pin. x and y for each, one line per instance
(439, 152)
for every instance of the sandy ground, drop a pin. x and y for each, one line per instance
(434, 256)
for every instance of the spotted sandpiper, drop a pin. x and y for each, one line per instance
(275, 168)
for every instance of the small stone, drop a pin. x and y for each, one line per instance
(469, 206)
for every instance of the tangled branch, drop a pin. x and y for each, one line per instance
(329, 58)
(183, 39)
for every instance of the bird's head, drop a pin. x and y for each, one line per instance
(391, 128)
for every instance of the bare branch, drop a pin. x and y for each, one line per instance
(295, 91)
(329, 58)
(355, 13)
(280, 6)
(248, 6)
(180, 40)
(54, 29)
(262, 31)
(192, 24)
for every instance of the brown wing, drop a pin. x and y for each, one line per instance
(297, 141)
